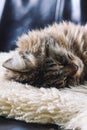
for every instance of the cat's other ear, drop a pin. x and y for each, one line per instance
(20, 62)
(15, 65)
(8, 64)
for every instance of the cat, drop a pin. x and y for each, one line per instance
(55, 56)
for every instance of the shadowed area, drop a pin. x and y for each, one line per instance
(10, 124)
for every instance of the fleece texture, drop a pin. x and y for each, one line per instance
(67, 107)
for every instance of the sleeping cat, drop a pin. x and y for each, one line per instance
(52, 57)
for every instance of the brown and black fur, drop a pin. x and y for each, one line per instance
(52, 57)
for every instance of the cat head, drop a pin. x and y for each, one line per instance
(58, 68)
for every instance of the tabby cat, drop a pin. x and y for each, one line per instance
(55, 56)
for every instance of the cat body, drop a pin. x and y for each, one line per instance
(52, 57)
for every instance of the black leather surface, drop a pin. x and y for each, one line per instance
(18, 19)
(9, 124)
(23, 15)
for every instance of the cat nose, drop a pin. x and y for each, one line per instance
(72, 69)
(77, 67)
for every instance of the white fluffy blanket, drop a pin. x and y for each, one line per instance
(67, 107)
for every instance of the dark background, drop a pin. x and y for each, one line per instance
(21, 16)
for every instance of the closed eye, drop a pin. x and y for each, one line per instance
(70, 57)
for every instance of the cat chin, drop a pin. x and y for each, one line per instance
(24, 78)
(11, 75)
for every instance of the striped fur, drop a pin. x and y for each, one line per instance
(54, 56)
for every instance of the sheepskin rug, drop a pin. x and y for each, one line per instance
(67, 107)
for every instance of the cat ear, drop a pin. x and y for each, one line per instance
(15, 65)
(20, 62)
(8, 64)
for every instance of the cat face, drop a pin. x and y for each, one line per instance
(56, 67)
